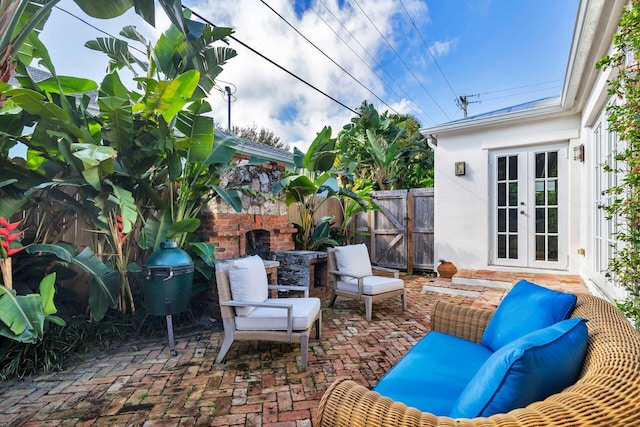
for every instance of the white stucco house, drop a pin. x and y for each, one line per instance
(528, 196)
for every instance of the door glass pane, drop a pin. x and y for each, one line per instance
(540, 248)
(539, 193)
(513, 220)
(513, 194)
(553, 220)
(502, 246)
(513, 168)
(502, 168)
(552, 192)
(513, 246)
(540, 161)
(553, 164)
(553, 248)
(502, 194)
(540, 225)
(502, 220)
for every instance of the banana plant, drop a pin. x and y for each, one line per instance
(22, 20)
(22, 317)
(313, 183)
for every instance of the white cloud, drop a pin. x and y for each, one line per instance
(264, 92)
(441, 48)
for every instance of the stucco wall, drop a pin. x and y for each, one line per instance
(462, 211)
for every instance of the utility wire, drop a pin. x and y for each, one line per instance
(99, 29)
(327, 56)
(428, 49)
(273, 62)
(521, 87)
(401, 60)
(364, 49)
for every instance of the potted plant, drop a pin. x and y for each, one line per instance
(446, 269)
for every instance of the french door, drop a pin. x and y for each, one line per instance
(528, 207)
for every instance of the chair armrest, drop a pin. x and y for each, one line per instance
(460, 321)
(396, 273)
(288, 307)
(347, 404)
(304, 289)
(345, 273)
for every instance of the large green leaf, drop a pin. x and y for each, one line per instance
(169, 97)
(101, 294)
(107, 9)
(199, 130)
(321, 155)
(21, 316)
(118, 51)
(88, 262)
(128, 207)
(155, 230)
(69, 85)
(232, 197)
(188, 225)
(47, 292)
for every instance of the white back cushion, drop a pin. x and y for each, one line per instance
(248, 282)
(353, 259)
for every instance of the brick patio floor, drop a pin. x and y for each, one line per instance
(259, 384)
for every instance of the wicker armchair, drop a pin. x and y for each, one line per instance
(606, 394)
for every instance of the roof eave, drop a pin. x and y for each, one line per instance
(496, 120)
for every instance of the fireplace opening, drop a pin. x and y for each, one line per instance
(258, 242)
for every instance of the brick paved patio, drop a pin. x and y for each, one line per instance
(259, 384)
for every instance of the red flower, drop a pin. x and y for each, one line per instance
(14, 251)
(6, 232)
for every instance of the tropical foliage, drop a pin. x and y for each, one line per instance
(386, 150)
(624, 267)
(311, 185)
(135, 165)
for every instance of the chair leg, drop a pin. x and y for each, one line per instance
(226, 344)
(319, 325)
(332, 300)
(304, 350)
(404, 300)
(368, 307)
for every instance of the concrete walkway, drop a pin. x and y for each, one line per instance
(259, 384)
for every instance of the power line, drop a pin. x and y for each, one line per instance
(427, 47)
(327, 56)
(521, 87)
(365, 50)
(273, 62)
(401, 60)
(99, 29)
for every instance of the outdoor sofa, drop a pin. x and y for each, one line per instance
(606, 392)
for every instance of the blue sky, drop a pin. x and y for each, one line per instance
(405, 56)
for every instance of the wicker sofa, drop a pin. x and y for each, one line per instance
(607, 392)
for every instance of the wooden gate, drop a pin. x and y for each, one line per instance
(388, 228)
(400, 233)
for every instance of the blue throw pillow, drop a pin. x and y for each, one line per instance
(526, 308)
(527, 370)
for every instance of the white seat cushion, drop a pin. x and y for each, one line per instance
(372, 285)
(305, 311)
(353, 259)
(248, 282)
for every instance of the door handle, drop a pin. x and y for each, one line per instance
(522, 212)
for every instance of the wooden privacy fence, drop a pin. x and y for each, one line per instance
(400, 233)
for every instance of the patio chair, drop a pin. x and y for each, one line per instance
(352, 276)
(248, 314)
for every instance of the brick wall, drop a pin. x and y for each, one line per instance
(227, 229)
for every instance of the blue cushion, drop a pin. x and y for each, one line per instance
(526, 308)
(433, 373)
(529, 369)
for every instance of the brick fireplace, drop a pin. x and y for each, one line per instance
(262, 228)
